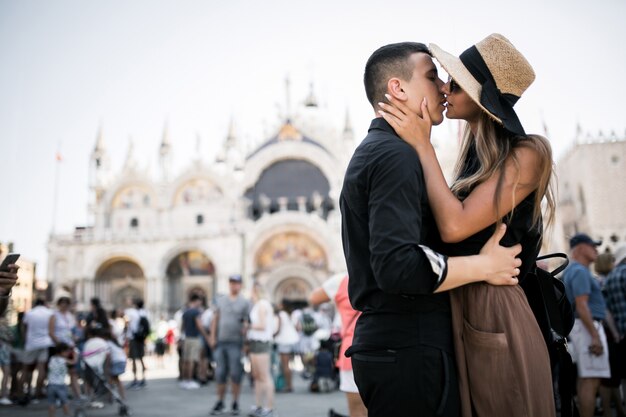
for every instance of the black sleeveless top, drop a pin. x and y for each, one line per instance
(519, 223)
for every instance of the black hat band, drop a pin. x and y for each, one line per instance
(498, 103)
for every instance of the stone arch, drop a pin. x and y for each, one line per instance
(290, 247)
(117, 280)
(196, 191)
(289, 261)
(290, 150)
(133, 195)
(188, 271)
(298, 279)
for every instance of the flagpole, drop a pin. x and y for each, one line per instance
(55, 197)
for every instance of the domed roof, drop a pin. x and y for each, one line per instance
(287, 132)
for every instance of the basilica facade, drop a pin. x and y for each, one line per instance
(270, 214)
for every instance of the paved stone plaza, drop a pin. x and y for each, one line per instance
(163, 398)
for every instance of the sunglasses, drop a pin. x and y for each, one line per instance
(454, 86)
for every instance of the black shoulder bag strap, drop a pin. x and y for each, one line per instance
(549, 296)
(566, 374)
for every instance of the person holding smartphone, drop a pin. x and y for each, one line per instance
(8, 278)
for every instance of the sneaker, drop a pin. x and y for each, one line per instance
(5, 401)
(132, 384)
(255, 412)
(35, 401)
(267, 413)
(142, 383)
(218, 409)
(183, 384)
(234, 409)
(192, 385)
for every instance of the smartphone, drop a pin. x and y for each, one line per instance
(11, 258)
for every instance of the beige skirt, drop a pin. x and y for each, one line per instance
(503, 362)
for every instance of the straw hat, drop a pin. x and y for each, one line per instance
(494, 74)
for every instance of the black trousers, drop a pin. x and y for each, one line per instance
(419, 381)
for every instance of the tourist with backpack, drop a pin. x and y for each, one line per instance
(307, 325)
(138, 331)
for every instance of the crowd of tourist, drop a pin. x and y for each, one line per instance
(51, 349)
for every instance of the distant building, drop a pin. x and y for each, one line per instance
(270, 214)
(592, 190)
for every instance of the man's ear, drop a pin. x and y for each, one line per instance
(394, 87)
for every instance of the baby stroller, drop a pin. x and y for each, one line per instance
(100, 390)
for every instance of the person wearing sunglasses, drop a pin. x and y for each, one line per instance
(402, 352)
(502, 175)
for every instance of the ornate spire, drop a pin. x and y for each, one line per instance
(198, 144)
(287, 98)
(166, 145)
(347, 127)
(311, 100)
(130, 162)
(231, 138)
(99, 147)
(348, 132)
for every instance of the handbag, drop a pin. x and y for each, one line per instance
(555, 316)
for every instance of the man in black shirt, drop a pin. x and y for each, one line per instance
(402, 353)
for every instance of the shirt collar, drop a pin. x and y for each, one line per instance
(381, 124)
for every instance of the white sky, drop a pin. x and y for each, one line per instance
(68, 66)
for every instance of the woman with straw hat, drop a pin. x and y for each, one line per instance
(501, 176)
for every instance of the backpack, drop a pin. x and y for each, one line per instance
(143, 329)
(555, 317)
(309, 326)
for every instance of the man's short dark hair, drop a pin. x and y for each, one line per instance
(95, 301)
(138, 302)
(387, 62)
(40, 302)
(194, 297)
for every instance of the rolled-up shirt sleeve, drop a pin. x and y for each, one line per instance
(400, 264)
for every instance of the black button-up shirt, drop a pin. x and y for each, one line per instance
(385, 221)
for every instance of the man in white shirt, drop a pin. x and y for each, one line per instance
(36, 344)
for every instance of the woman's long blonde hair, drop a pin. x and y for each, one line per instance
(493, 146)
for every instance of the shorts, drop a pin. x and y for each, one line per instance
(191, 349)
(346, 382)
(287, 349)
(118, 368)
(259, 346)
(159, 347)
(57, 392)
(136, 349)
(17, 356)
(36, 355)
(589, 366)
(308, 345)
(228, 357)
(5, 355)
